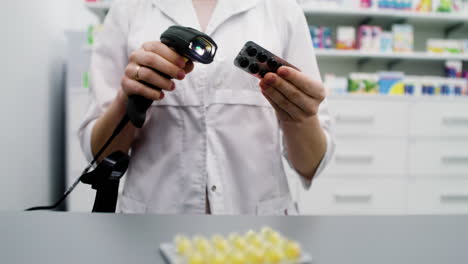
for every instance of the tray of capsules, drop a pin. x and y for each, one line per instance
(265, 247)
(258, 61)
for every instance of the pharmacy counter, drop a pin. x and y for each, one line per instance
(83, 238)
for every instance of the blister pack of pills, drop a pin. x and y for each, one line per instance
(265, 247)
(257, 61)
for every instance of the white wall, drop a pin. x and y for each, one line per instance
(79, 16)
(32, 48)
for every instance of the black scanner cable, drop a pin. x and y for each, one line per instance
(98, 155)
(187, 42)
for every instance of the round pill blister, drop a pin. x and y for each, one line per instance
(254, 68)
(243, 62)
(251, 51)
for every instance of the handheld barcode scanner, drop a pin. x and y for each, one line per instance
(187, 42)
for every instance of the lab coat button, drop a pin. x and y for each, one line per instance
(213, 188)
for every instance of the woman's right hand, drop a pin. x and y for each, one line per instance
(144, 66)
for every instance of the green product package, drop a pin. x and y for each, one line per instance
(90, 35)
(86, 80)
(363, 83)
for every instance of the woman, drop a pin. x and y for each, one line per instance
(212, 142)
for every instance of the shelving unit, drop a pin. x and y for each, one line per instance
(427, 25)
(417, 56)
(392, 151)
(448, 22)
(382, 13)
(391, 59)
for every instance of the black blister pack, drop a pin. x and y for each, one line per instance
(257, 61)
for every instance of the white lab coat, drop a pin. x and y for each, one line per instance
(216, 132)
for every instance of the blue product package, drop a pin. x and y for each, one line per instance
(450, 72)
(381, 3)
(409, 4)
(400, 5)
(315, 35)
(409, 89)
(445, 89)
(424, 90)
(428, 90)
(431, 90)
(458, 90)
(327, 38)
(391, 83)
(386, 42)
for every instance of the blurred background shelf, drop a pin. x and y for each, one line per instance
(358, 15)
(418, 56)
(379, 13)
(448, 23)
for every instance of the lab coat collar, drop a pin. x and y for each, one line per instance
(183, 13)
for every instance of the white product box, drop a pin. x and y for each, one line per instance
(465, 46)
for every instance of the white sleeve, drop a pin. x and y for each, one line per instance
(108, 62)
(299, 51)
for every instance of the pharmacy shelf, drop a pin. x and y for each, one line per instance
(416, 56)
(400, 98)
(376, 13)
(101, 8)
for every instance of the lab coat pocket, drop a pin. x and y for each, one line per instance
(129, 205)
(282, 205)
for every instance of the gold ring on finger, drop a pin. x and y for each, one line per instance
(137, 72)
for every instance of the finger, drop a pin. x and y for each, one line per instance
(189, 67)
(282, 115)
(302, 81)
(294, 94)
(164, 51)
(148, 76)
(284, 103)
(131, 86)
(157, 63)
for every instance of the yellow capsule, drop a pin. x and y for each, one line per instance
(256, 242)
(275, 238)
(183, 246)
(196, 239)
(233, 236)
(292, 250)
(195, 258)
(217, 238)
(179, 238)
(249, 235)
(220, 244)
(217, 258)
(239, 243)
(274, 255)
(255, 256)
(236, 257)
(202, 245)
(266, 231)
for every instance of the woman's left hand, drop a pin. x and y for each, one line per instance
(295, 97)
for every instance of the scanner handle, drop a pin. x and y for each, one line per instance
(138, 105)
